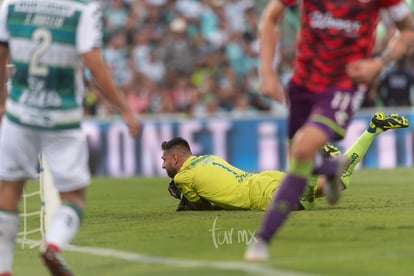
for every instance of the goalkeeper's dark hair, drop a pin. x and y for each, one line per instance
(176, 142)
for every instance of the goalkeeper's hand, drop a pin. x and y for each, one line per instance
(183, 205)
(173, 190)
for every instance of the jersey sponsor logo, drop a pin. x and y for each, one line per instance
(319, 20)
(38, 96)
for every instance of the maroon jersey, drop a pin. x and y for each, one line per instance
(334, 33)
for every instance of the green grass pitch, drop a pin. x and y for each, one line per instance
(131, 228)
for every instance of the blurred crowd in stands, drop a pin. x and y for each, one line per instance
(199, 58)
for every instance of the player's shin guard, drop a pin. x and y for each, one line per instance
(64, 226)
(9, 226)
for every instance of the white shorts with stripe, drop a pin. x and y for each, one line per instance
(65, 152)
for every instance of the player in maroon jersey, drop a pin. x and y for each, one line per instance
(332, 67)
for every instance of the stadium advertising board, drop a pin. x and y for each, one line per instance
(253, 144)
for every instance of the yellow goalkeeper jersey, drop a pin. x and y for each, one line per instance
(212, 178)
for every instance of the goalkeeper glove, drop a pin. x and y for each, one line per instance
(173, 190)
(183, 205)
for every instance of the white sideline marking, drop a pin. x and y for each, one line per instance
(252, 268)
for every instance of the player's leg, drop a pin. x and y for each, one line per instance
(18, 156)
(356, 152)
(64, 226)
(293, 184)
(315, 122)
(66, 154)
(315, 185)
(290, 191)
(10, 192)
(378, 124)
(308, 138)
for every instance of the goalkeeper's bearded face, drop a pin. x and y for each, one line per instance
(171, 172)
(168, 164)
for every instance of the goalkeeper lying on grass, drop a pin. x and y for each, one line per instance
(208, 182)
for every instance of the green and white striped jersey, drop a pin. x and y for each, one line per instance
(46, 39)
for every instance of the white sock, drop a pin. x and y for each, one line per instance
(63, 227)
(9, 226)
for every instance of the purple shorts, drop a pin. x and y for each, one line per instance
(331, 110)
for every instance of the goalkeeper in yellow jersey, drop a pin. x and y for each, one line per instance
(208, 182)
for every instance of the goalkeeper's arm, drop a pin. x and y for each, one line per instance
(201, 205)
(185, 204)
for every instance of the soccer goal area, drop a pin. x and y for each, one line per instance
(38, 203)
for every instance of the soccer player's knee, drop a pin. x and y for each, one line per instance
(301, 151)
